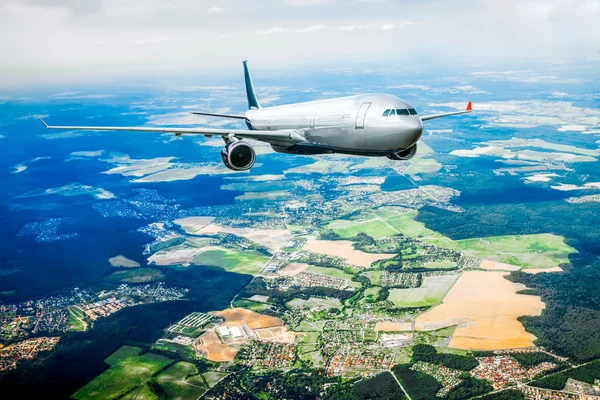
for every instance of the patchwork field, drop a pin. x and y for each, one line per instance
(485, 306)
(173, 381)
(431, 292)
(343, 249)
(372, 227)
(127, 372)
(250, 262)
(527, 251)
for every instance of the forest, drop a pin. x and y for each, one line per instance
(428, 353)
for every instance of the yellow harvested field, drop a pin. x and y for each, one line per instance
(542, 270)
(485, 306)
(292, 269)
(193, 224)
(241, 317)
(273, 239)
(343, 249)
(497, 266)
(209, 346)
(393, 327)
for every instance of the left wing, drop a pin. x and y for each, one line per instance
(468, 110)
(284, 137)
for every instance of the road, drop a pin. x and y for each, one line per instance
(401, 387)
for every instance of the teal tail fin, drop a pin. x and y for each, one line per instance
(252, 99)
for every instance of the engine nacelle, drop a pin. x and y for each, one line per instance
(405, 154)
(238, 156)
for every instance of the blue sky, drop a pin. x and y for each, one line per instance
(66, 41)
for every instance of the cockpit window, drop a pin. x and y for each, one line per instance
(399, 111)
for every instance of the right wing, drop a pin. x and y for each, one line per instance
(236, 116)
(285, 137)
(468, 110)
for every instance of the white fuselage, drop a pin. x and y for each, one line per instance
(351, 125)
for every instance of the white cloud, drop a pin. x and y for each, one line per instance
(278, 29)
(275, 29)
(311, 28)
(81, 41)
(532, 113)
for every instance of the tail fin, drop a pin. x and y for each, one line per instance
(252, 99)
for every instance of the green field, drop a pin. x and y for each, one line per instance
(122, 353)
(423, 166)
(309, 343)
(250, 263)
(138, 275)
(127, 372)
(374, 277)
(76, 318)
(140, 393)
(250, 305)
(314, 301)
(431, 292)
(439, 264)
(372, 227)
(212, 377)
(306, 326)
(529, 251)
(174, 382)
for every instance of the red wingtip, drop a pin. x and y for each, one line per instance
(470, 106)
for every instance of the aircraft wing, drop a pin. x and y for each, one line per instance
(235, 116)
(286, 137)
(433, 116)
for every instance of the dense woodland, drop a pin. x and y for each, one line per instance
(380, 387)
(529, 360)
(428, 353)
(570, 323)
(510, 394)
(419, 386)
(587, 373)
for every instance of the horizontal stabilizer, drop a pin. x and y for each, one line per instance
(235, 116)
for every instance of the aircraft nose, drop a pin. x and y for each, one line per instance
(414, 128)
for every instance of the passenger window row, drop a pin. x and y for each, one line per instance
(399, 111)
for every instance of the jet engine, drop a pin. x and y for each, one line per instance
(405, 154)
(238, 156)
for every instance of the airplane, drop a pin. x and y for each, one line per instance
(365, 125)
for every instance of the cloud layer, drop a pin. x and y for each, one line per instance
(72, 40)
